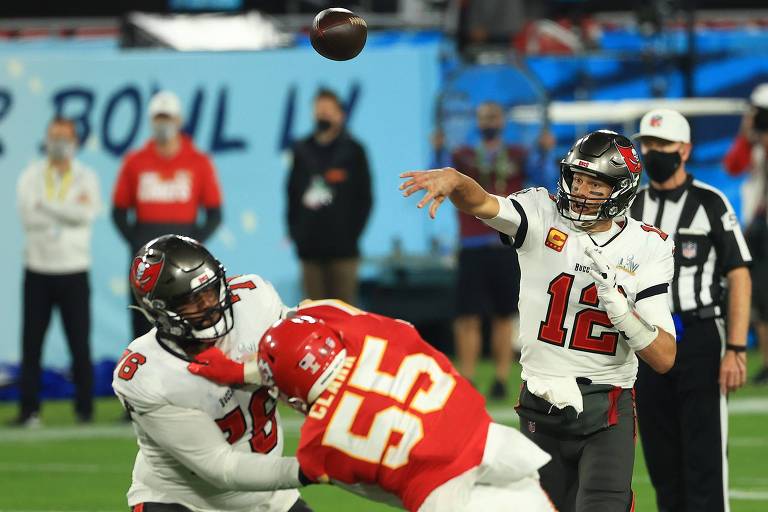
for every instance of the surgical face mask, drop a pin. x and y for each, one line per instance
(60, 149)
(164, 131)
(322, 125)
(490, 133)
(661, 166)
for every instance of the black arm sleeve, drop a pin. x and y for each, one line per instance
(363, 199)
(294, 194)
(212, 221)
(120, 218)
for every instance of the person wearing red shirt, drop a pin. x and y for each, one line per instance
(387, 415)
(488, 282)
(165, 184)
(747, 154)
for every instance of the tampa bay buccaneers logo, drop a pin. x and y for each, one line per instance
(144, 274)
(630, 157)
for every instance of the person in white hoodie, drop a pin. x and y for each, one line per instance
(58, 199)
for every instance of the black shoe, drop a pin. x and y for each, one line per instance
(31, 420)
(761, 378)
(498, 391)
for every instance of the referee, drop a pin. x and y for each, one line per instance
(682, 415)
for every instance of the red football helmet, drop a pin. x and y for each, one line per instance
(300, 356)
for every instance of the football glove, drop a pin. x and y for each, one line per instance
(215, 366)
(637, 333)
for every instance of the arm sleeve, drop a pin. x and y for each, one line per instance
(730, 245)
(210, 192)
(363, 198)
(655, 311)
(212, 221)
(32, 216)
(739, 156)
(124, 194)
(519, 219)
(652, 300)
(294, 193)
(120, 218)
(192, 438)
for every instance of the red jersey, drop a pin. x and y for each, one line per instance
(397, 416)
(167, 189)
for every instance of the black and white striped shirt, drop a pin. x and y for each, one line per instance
(708, 239)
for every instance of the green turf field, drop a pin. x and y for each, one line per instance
(64, 467)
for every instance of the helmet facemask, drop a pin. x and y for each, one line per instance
(573, 207)
(201, 316)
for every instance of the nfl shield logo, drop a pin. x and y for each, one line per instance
(688, 250)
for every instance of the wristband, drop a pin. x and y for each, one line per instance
(735, 348)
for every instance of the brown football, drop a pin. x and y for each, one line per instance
(338, 34)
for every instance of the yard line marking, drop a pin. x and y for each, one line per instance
(741, 494)
(62, 468)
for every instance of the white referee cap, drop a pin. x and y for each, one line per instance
(165, 102)
(759, 96)
(664, 123)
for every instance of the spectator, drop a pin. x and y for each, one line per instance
(748, 154)
(58, 198)
(488, 272)
(329, 200)
(164, 185)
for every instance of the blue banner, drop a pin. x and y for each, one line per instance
(243, 109)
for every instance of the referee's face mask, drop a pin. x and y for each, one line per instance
(661, 159)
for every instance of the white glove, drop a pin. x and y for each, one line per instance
(636, 332)
(604, 274)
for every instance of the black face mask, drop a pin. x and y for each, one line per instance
(661, 166)
(322, 125)
(489, 133)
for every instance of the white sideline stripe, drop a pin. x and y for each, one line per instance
(738, 407)
(744, 495)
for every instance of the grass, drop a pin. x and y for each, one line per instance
(64, 467)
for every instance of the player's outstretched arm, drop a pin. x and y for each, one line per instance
(464, 192)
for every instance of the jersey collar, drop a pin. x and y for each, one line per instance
(673, 195)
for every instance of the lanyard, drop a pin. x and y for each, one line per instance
(52, 192)
(500, 165)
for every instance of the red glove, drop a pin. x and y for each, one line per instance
(213, 365)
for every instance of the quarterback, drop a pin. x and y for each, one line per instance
(593, 295)
(202, 447)
(387, 415)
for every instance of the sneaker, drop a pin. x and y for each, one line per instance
(31, 420)
(498, 391)
(761, 378)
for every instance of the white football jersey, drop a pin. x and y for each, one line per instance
(564, 328)
(151, 375)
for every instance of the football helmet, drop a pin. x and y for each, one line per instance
(182, 289)
(609, 157)
(300, 356)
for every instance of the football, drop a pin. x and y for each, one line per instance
(338, 34)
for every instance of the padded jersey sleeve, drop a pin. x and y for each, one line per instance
(520, 219)
(654, 279)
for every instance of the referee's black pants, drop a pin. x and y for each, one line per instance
(684, 425)
(71, 293)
